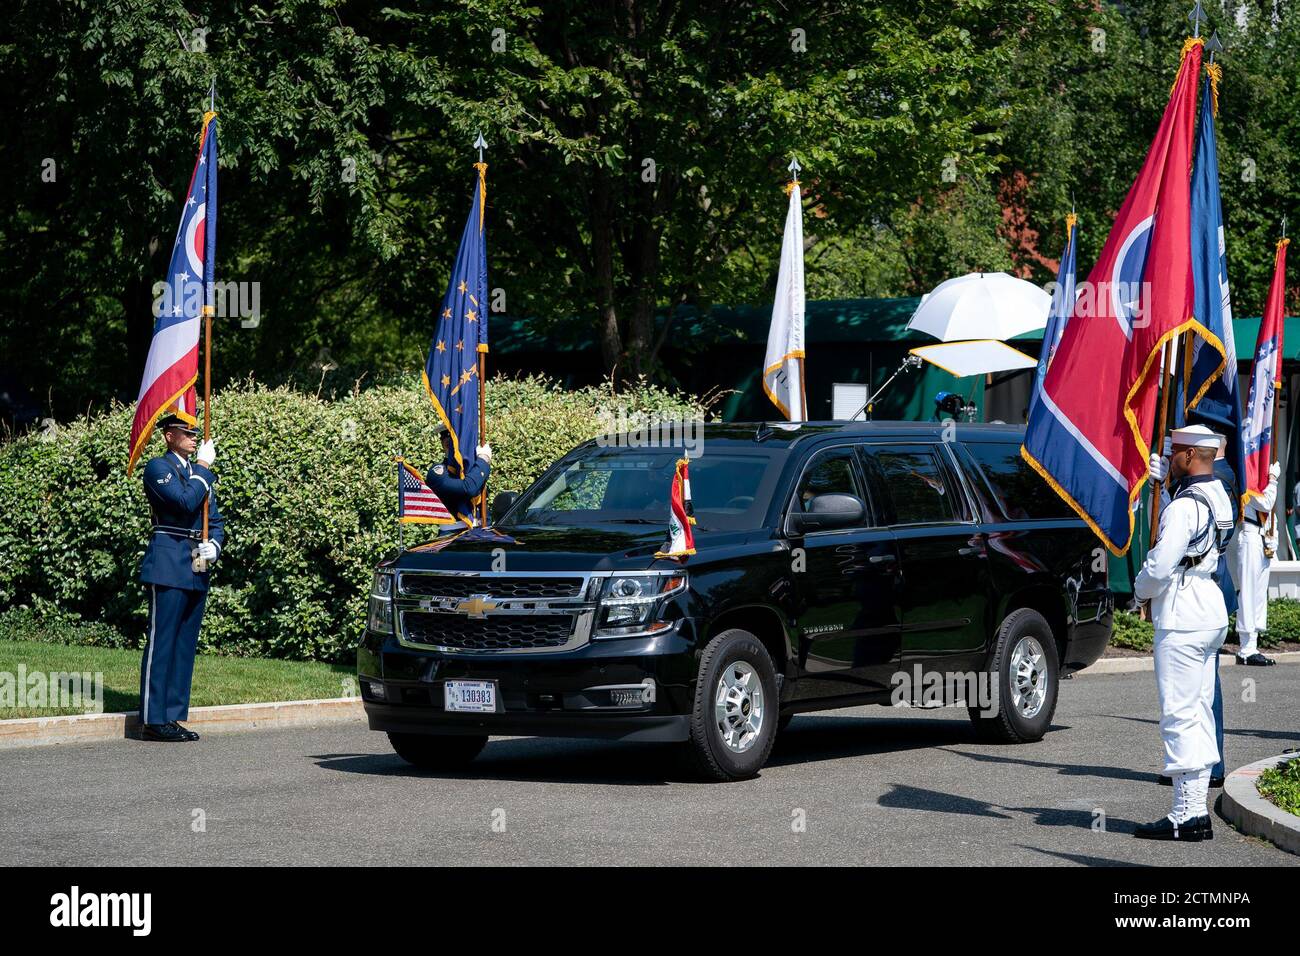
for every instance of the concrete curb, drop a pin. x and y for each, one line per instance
(1128, 665)
(1255, 816)
(80, 728)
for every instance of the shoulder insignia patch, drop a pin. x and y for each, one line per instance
(439, 469)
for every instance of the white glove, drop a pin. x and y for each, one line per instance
(208, 551)
(1157, 468)
(1275, 471)
(484, 452)
(207, 453)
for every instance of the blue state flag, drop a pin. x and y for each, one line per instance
(1210, 395)
(451, 373)
(1062, 304)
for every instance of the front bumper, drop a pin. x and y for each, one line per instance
(625, 689)
(662, 728)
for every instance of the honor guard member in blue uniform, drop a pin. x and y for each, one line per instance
(176, 488)
(456, 491)
(1191, 621)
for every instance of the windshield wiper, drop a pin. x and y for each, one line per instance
(633, 521)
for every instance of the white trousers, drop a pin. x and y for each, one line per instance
(1252, 587)
(1185, 666)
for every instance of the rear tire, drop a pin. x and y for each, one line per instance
(736, 710)
(1025, 669)
(437, 752)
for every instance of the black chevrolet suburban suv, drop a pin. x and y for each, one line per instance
(837, 564)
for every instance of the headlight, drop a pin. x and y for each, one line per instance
(630, 604)
(381, 603)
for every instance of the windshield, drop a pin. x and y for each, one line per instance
(730, 490)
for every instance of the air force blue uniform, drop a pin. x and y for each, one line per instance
(458, 493)
(176, 489)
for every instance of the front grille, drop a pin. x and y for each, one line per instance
(503, 632)
(507, 588)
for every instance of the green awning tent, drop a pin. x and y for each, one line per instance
(846, 340)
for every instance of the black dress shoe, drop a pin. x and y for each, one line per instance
(164, 732)
(1256, 660)
(1193, 831)
(185, 731)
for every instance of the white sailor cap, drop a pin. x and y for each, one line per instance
(1196, 436)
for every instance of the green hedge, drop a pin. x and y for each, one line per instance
(1283, 625)
(308, 489)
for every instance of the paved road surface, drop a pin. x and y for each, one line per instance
(874, 786)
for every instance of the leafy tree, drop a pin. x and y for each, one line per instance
(1095, 93)
(935, 137)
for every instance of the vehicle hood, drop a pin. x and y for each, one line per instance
(547, 549)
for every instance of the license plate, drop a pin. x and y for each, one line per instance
(470, 696)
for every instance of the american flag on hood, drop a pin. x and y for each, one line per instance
(172, 368)
(416, 501)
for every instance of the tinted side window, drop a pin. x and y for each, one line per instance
(920, 487)
(829, 472)
(1019, 490)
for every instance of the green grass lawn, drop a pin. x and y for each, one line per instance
(217, 680)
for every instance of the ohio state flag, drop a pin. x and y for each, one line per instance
(172, 367)
(1265, 380)
(681, 515)
(1090, 431)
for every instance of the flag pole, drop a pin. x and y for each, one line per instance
(479, 144)
(1277, 405)
(1156, 487)
(401, 531)
(795, 168)
(1197, 16)
(201, 564)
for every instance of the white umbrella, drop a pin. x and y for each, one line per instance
(980, 357)
(982, 305)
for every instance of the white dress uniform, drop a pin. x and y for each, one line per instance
(1191, 621)
(1250, 569)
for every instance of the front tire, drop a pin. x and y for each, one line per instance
(1025, 669)
(736, 711)
(437, 752)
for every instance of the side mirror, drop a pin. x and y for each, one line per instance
(825, 513)
(502, 502)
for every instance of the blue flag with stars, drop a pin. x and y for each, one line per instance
(451, 373)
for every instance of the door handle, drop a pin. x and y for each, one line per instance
(968, 551)
(882, 559)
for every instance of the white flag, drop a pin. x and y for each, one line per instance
(783, 364)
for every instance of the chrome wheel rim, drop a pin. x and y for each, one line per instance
(1029, 677)
(738, 706)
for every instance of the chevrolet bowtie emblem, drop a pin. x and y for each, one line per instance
(477, 606)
